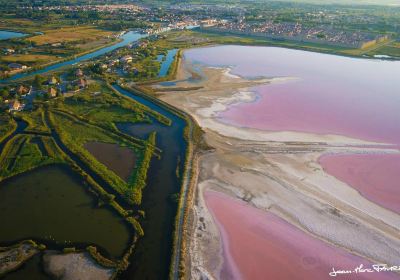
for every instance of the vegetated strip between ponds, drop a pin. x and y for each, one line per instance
(152, 255)
(98, 179)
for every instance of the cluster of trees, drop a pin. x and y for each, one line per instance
(39, 81)
(6, 93)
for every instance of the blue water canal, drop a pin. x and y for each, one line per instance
(127, 38)
(166, 61)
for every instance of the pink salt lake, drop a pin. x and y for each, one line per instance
(358, 98)
(333, 94)
(260, 245)
(354, 97)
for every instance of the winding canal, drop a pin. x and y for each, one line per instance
(127, 38)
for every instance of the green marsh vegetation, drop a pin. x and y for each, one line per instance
(75, 135)
(7, 125)
(89, 116)
(35, 120)
(26, 152)
(99, 104)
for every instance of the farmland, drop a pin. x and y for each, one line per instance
(70, 34)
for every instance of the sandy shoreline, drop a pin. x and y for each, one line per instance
(276, 172)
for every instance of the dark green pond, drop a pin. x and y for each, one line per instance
(52, 205)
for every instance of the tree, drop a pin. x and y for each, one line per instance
(4, 93)
(38, 81)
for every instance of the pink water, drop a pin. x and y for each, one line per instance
(358, 98)
(260, 245)
(376, 177)
(334, 94)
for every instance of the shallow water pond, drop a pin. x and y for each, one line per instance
(51, 204)
(121, 160)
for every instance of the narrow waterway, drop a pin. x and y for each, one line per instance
(21, 125)
(166, 61)
(152, 255)
(127, 38)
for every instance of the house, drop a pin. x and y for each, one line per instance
(9, 51)
(17, 66)
(52, 81)
(52, 92)
(78, 73)
(22, 90)
(143, 45)
(126, 59)
(81, 83)
(113, 62)
(15, 105)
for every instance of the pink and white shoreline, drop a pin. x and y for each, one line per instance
(375, 176)
(260, 245)
(284, 189)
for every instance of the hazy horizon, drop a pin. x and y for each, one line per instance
(344, 2)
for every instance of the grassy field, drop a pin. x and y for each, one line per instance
(102, 106)
(391, 49)
(27, 58)
(20, 24)
(37, 50)
(78, 133)
(70, 34)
